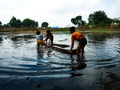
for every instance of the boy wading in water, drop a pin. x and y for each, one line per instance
(77, 36)
(39, 39)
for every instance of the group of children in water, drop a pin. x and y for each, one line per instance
(39, 38)
(75, 36)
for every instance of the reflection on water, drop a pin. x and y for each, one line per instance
(18, 56)
(77, 66)
(104, 48)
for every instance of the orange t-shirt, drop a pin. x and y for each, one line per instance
(77, 36)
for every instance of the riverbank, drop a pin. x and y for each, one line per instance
(31, 30)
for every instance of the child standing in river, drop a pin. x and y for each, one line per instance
(39, 39)
(77, 36)
(49, 36)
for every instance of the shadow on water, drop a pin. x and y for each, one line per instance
(77, 66)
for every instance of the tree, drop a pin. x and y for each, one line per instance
(98, 17)
(44, 24)
(110, 21)
(29, 23)
(18, 23)
(78, 21)
(74, 21)
(15, 22)
(117, 21)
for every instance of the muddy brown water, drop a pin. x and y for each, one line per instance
(19, 57)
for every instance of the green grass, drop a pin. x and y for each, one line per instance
(100, 30)
(59, 30)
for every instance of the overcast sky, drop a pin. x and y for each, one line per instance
(56, 12)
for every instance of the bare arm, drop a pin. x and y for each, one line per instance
(47, 37)
(72, 45)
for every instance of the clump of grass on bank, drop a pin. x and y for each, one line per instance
(100, 30)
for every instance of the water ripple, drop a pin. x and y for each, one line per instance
(19, 57)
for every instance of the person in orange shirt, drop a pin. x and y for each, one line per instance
(77, 36)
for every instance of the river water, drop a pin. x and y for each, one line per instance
(18, 55)
(23, 68)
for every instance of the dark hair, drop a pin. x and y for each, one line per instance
(48, 31)
(37, 32)
(72, 29)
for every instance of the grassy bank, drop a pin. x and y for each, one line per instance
(62, 30)
(102, 30)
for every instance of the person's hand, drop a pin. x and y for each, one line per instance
(70, 51)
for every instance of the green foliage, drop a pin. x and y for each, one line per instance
(74, 21)
(102, 24)
(13, 22)
(97, 18)
(18, 23)
(78, 21)
(44, 24)
(117, 21)
(29, 23)
(25, 23)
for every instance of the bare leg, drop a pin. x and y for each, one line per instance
(82, 49)
(78, 49)
(37, 46)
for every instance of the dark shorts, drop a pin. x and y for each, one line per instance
(83, 42)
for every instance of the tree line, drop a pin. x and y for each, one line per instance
(26, 23)
(96, 19)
